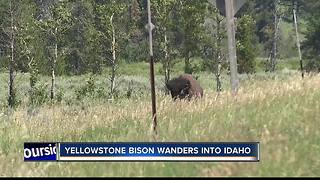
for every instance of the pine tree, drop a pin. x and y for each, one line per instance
(191, 17)
(245, 44)
(311, 44)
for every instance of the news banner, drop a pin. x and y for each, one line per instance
(166, 152)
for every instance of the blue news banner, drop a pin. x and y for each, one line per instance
(201, 152)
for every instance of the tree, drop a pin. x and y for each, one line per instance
(245, 44)
(311, 44)
(80, 56)
(28, 45)
(213, 50)
(12, 36)
(164, 23)
(268, 15)
(264, 15)
(295, 17)
(110, 14)
(54, 27)
(191, 17)
(136, 44)
(10, 30)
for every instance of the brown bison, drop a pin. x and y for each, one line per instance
(185, 86)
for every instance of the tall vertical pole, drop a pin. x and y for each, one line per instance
(153, 94)
(232, 46)
(297, 36)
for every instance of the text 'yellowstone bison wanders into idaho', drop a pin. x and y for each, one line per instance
(185, 86)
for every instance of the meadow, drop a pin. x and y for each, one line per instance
(280, 110)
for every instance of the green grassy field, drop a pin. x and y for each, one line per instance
(279, 110)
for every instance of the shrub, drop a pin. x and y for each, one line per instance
(38, 94)
(87, 90)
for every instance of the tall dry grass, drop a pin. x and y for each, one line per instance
(282, 114)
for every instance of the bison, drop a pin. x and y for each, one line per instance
(184, 87)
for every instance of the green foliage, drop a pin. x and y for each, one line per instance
(266, 110)
(81, 39)
(38, 94)
(135, 45)
(311, 45)
(164, 36)
(289, 64)
(60, 95)
(110, 16)
(191, 15)
(33, 76)
(52, 29)
(135, 53)
(141, 69)
(86, 90)
(287, 42)
(214, 41)
(245, 45)
(313, 64)
(263, 14)
(84, 36)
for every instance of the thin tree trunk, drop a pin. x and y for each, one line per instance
(166, 64)
(33, 72)
(152, 82)
(113, 61)
(219, 65)
(53, 64)
(78, 55)
(11, 80)
(298, 39)
(268, 63)
(187, 68)
(274, 43)
(11, 98)
(277, 21)
(79, 39)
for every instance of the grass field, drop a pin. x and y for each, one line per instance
(280, 111)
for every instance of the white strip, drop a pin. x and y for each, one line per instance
(258, 151)
(163, 158)
(58, 151)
